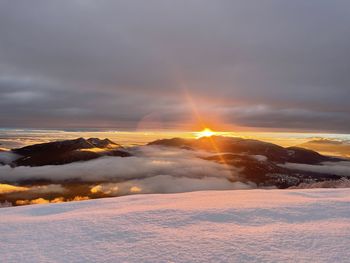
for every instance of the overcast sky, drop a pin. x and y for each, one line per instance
(171, 64)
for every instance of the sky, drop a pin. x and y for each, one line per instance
(231, 65)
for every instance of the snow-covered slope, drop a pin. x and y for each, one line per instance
(213, 226)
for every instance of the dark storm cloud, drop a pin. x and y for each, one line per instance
(114, 63)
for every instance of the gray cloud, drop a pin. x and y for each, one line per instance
(148, 162)
(113, 63)
(7, 157)
(152, 170)
(337, 168)
(169, 184)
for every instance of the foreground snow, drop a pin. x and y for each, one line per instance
(213, 226)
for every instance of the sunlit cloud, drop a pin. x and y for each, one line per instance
(7, 188)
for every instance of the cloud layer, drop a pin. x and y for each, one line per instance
(151, 170)
(169, 184)
(148, 162)
(272, 64)
(336, 168)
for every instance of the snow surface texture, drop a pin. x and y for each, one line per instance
(213, 226)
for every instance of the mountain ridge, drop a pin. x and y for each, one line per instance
(67, 151)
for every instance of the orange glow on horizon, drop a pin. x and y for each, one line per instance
(205, 133)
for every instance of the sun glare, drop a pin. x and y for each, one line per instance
(205, 133)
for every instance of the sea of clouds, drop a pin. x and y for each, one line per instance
(152, 169)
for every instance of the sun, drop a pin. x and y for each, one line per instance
(205, 133)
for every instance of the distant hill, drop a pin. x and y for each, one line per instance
(273, 152)
(329, 147)
(68, 151)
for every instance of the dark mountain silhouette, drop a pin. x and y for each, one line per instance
(68, 151)
(273, 152)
